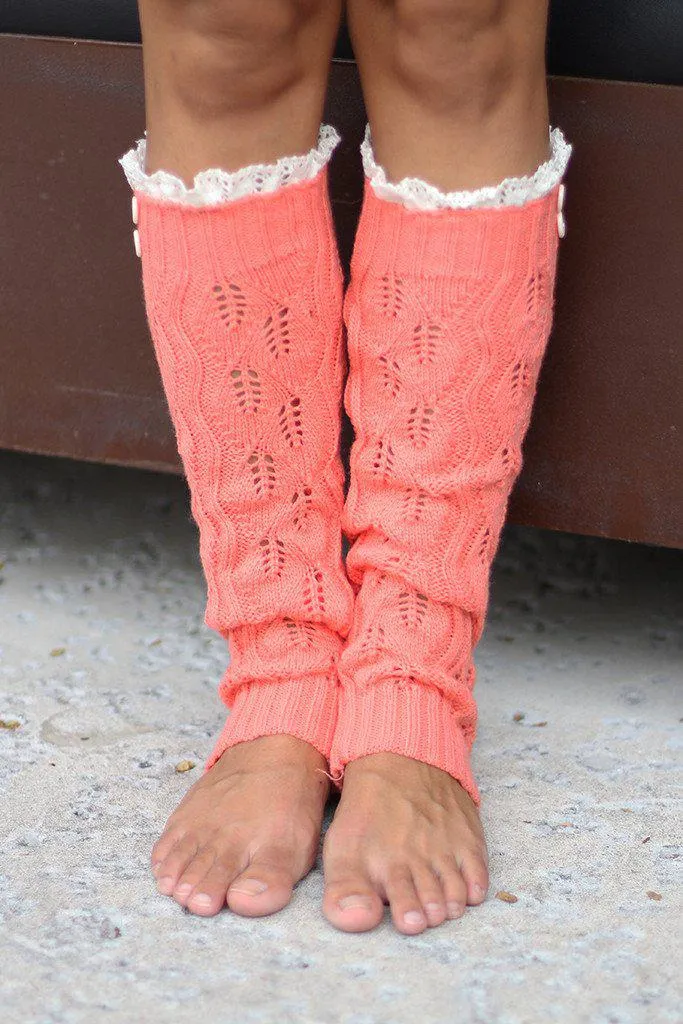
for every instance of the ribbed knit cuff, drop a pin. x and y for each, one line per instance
(305, 708)
(415, 721)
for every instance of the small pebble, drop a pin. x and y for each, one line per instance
(185, 766)
(539, 724)
(506, 897)
(653, 895)
(56, 652)
(518, 717)
(9, 723)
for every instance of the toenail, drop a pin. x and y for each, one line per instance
(201, 900)
(156, 868)
(455, 909)
(249, 887)
(478, 891)
(182, 890)
(433, 908)
(165, 885)
(413, 917)
(355, 902)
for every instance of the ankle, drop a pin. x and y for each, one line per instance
(278, 751)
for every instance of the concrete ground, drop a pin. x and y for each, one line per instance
(107, 668)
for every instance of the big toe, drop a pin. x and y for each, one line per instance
(351, 903)
(264, 887)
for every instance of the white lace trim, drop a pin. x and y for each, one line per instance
(214, 186)
(416, 194)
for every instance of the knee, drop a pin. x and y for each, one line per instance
(239, 55)
(454, 53)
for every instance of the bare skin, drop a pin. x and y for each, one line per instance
(247, 831)
(455, 92)
(230, 83)
(405, 834)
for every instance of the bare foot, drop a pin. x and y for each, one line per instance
(406, 834)
(246, 831)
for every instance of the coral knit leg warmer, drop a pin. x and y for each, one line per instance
(243, 292)
(448, 314)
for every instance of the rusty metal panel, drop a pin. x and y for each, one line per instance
(77, 371)
(78, 377)
(605, 450)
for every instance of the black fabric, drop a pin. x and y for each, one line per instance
(115, 20)
(631, 40)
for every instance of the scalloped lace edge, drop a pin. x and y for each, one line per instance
(416, 194)
(215, 186)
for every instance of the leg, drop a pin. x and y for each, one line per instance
(230, 83)
(455, 89)
(448, 312)
(245, 314)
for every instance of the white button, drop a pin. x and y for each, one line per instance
(136, 242)
(134, 208)
(561, 222)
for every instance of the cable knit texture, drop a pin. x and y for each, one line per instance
(244, 306)
(448, 314)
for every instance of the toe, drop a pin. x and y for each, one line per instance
(406, 907)
(454, 888)
(265, 886)
(209, 894)
(163, 846)
(169, 870)
(351, 902)
(194, 872)
(430, 894)
(475, 873)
